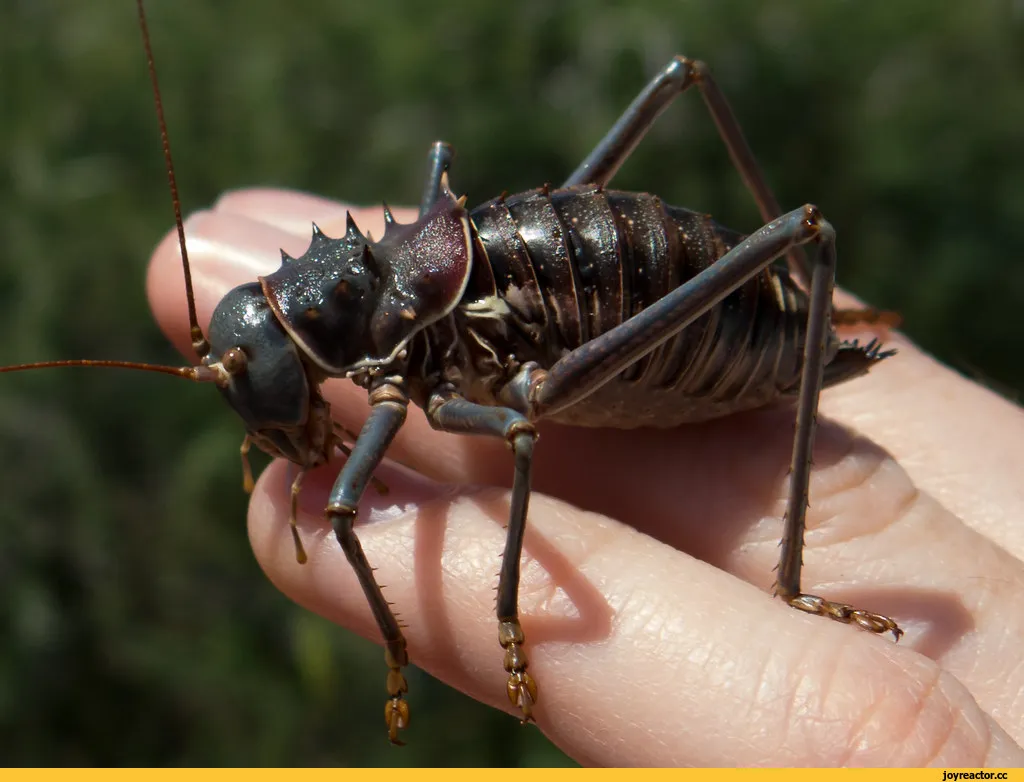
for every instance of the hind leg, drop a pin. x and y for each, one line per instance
(673, 80)
(588, 367)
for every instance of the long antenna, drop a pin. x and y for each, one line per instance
(199, 343)
(200, 374)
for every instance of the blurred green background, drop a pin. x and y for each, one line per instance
(135, 627)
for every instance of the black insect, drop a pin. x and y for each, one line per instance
(576, 304)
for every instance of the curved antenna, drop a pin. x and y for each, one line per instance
(199, 342)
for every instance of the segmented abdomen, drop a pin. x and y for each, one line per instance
(555, 269)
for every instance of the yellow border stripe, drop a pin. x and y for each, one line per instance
(535, 775)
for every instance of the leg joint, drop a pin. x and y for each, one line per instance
(442, 150)
(437, 400)
(534, 389)
(818, 227)
(682, 71)
(812, 215)
(395, 654)
(519, 428)
(697, 70)
(342, 518)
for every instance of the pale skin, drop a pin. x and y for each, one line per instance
(648, 560)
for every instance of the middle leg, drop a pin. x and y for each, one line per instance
(449, 412)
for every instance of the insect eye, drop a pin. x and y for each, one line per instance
(235, 361)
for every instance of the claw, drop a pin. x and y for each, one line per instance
(847, 614)
(521, 688)
(396, 710)
(522, 692)
(876, 623)
(396, 715)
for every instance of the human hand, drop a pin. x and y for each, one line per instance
(650, 628)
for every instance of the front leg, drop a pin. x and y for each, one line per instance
(389, 405)
(451, 413)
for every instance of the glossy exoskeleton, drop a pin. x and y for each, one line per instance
(576, 304)
(579, 304)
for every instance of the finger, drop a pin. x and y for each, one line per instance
(288, 210)
(644, 656)
(873, 541)
(959, 441)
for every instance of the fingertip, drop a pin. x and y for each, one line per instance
(326, 583)
(224, 250)
(165, 289)
(288, 210)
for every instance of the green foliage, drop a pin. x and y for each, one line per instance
(136, 627)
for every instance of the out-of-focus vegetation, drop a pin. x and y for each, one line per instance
(135, 628)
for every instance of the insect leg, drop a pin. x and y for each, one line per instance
(439, 159)
(787, 581)
(389, 404)
(451, 413)
(247, 482)
(679, 75)
(585, 369)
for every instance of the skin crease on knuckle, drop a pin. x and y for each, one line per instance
(860, 499)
